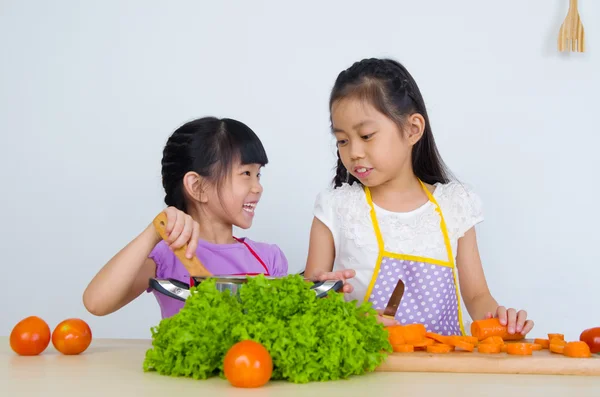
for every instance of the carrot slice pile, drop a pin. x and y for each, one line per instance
(577, 349)
(489, 337)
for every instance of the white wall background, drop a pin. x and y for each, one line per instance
(89, 92)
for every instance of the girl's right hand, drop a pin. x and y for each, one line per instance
(387, 322)
(181, 229)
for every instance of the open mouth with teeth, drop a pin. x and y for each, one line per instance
(249, 207)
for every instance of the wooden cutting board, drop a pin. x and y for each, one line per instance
(542, 362)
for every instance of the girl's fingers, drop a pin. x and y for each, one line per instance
(512, 320)
(177, 228)
(186, 232)
(171, 219)
(489, 315)
(527, 327)
(193, 243)
(501, 314)
(521, 317)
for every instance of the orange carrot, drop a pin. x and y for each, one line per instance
(489, 348)
(557, 348)
(503, 348)
(413, 332)
(395, 335)
(456, 341)
(577, 350)
(519, 349)
(536, 346)
(403, 348)
(483, 329)
(470, 339)
(439, 348)
(545, 343)
(556, 341)
(493, 340)
(557, 336)
(423, 342)
(437, 337)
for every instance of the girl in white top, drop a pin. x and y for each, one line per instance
(394, 214)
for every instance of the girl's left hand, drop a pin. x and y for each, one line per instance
(517, 322)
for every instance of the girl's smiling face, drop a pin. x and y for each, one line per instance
(372, 147)
(238, 197)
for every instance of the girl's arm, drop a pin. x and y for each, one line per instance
(475, 292)
(321, 255)
(124, 277)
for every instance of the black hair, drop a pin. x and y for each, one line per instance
(387, 86)
(208, 146)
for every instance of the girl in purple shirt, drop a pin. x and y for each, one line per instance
(211, 176)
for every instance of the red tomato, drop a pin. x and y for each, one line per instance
(30, 336)
(72, 336)
(248, 364)
(591, 337)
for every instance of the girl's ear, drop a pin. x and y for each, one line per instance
(192, 184)
(415, 128)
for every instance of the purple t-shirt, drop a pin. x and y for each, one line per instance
(219, 259)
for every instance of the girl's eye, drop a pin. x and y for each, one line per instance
(367, 137)
(341, 142)
(246, 173)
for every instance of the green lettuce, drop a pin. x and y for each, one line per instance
(309, 338)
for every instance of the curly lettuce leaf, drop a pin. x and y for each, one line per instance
(193, 342)
(309, 339)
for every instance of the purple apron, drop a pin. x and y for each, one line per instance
(431, 295)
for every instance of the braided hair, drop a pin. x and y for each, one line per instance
(389, 87)
(208, 146)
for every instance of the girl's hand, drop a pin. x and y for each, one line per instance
(387, 322)
(181, 229)
(517, 321)
(339, 275)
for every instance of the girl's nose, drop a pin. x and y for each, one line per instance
(356, 151)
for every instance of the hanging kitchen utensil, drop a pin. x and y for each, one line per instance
(193, 266)
(571, 35)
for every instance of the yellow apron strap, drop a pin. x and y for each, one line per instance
(449, 251)
(374, 220)
(380, 245)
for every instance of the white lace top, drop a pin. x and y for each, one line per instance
(345, 212)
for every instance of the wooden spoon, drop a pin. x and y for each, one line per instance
(193, 266)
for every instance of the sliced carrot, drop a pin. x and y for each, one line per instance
(456, 341)
(395, 335)
(403, 348)
(519, 349)
(557, 336)
(483, 329)
(437, 337)
(423, 342)
(470, 339)
(503, 348)
(536, 346)
(414, 333)
(556, 348)
(494, 340)
(439, 348)
(556, 341)
(452, 348)
(577, 349)
(545, 343)
(489, 348)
